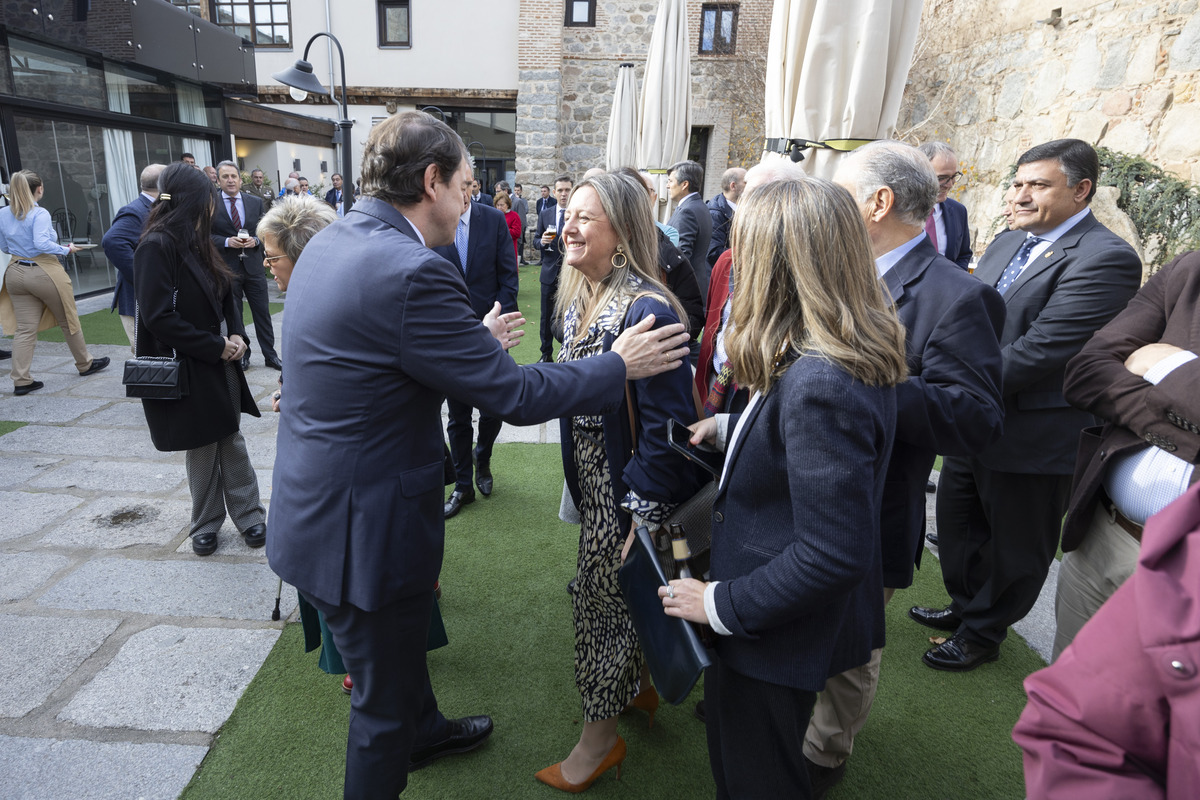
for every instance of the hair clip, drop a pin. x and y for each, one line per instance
(164, 196)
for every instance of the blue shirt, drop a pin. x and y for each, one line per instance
(30, 237)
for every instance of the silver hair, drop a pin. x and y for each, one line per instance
(227, 163)
(934, 149)
(902, 168)
(293, 221)
(775, 169)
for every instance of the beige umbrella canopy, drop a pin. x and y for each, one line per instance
(623, 122)
(836, 71)
(665, 118)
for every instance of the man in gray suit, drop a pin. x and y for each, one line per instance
(381, 330)
(685, 181)
(1063, 275)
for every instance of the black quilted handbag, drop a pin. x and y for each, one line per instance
(155, 377)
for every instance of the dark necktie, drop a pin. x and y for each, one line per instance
(1013, 270)
(233, 214)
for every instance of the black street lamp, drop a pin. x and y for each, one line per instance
(303, 83)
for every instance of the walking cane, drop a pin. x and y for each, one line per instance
(278, 595)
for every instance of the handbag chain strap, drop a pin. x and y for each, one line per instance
(137, 314)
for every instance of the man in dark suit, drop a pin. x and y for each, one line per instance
(478, 196)
(1139, 374)
(721, 208)
(946, 225)
(545, 201)
(381, 330)
(550, 222)
(1063, 275)
(239, 211)
(122, 239)
(950, 403)
(334, 196)
(684, 183)
(483, 251)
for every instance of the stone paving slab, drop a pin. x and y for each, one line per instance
(38, 408)
(122, 414)
(83, 441)
(229, 543)
(113, 476)
(36, 769)
(181, 588)
(39, 653)
(22, 573)
(172, 678)
(28, 512)
(18, 470)
(113, 522)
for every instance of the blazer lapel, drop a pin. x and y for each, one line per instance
(1052, 255)
(998, 254)
(731, 457)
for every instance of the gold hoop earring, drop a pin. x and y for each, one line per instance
(624, 261)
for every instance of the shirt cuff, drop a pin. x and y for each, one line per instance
(1164, 368)
(710, 609)
(722, 432)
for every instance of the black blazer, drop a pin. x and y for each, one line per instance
(681, 280)
(694, 224)
(958, 235)
(795, 544)
(950, 404)
(721, 215)
(193, 329)
(491, 261)
(222, 229)
(1076, 286)
(552, 255)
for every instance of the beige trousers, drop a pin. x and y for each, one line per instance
(842, 708)
(1090, 574)
(127, 324)
(32, 292)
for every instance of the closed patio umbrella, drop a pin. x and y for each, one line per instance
(836, 72)
(623, 123)
(665, 118)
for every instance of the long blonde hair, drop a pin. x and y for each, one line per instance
(624, 202)
(22, 187)
(804, 279)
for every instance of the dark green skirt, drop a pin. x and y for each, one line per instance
(316, 634)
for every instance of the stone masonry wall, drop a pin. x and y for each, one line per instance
(995, 77)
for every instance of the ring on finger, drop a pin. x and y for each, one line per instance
(671, 592)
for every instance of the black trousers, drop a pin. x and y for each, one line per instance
(392, 707)
(756, 736)
(252, 284)
(545, 328)
(997, 534)
(459, 430)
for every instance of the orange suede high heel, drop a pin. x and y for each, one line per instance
(647, 700)
(552, 775)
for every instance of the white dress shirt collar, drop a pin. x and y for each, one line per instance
(892, 257)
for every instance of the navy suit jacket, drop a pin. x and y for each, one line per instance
(721, 215)
(1064, 296)
(694, 224)
(951, 403)
(484, 198)
(380, 331)
(551, 256)
(222, 229)
(491, 261)
(795, 544)
(958, 235)
(330, 198)
(119, 243)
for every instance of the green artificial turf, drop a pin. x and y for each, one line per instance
(104, 327)
(529, 300)
(9, 427)
(931, 734)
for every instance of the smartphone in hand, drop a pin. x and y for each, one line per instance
(709, 458)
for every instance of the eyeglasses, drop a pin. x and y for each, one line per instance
(948, 180)
(270, 259)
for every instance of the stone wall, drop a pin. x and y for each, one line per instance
(567, 78)
(994, 77)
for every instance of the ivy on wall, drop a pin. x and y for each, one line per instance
(1164, 209)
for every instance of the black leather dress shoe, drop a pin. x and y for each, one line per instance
(941, 619)
(204, 544)
(956, 654)
(27, 388)
(255, 535)
(97, 365)
(275, 364)
(932, 538)
(698, 711)
(483, 477)
(5, 354)
(245, 362)
(458, 499)
(465, 735)
(822, 779)
(930, 486)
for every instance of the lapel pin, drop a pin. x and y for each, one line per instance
(1048, 254)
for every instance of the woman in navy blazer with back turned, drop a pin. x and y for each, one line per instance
(796, 583)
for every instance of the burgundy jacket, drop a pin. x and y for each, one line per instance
(1118, 715)
(1166, 309)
